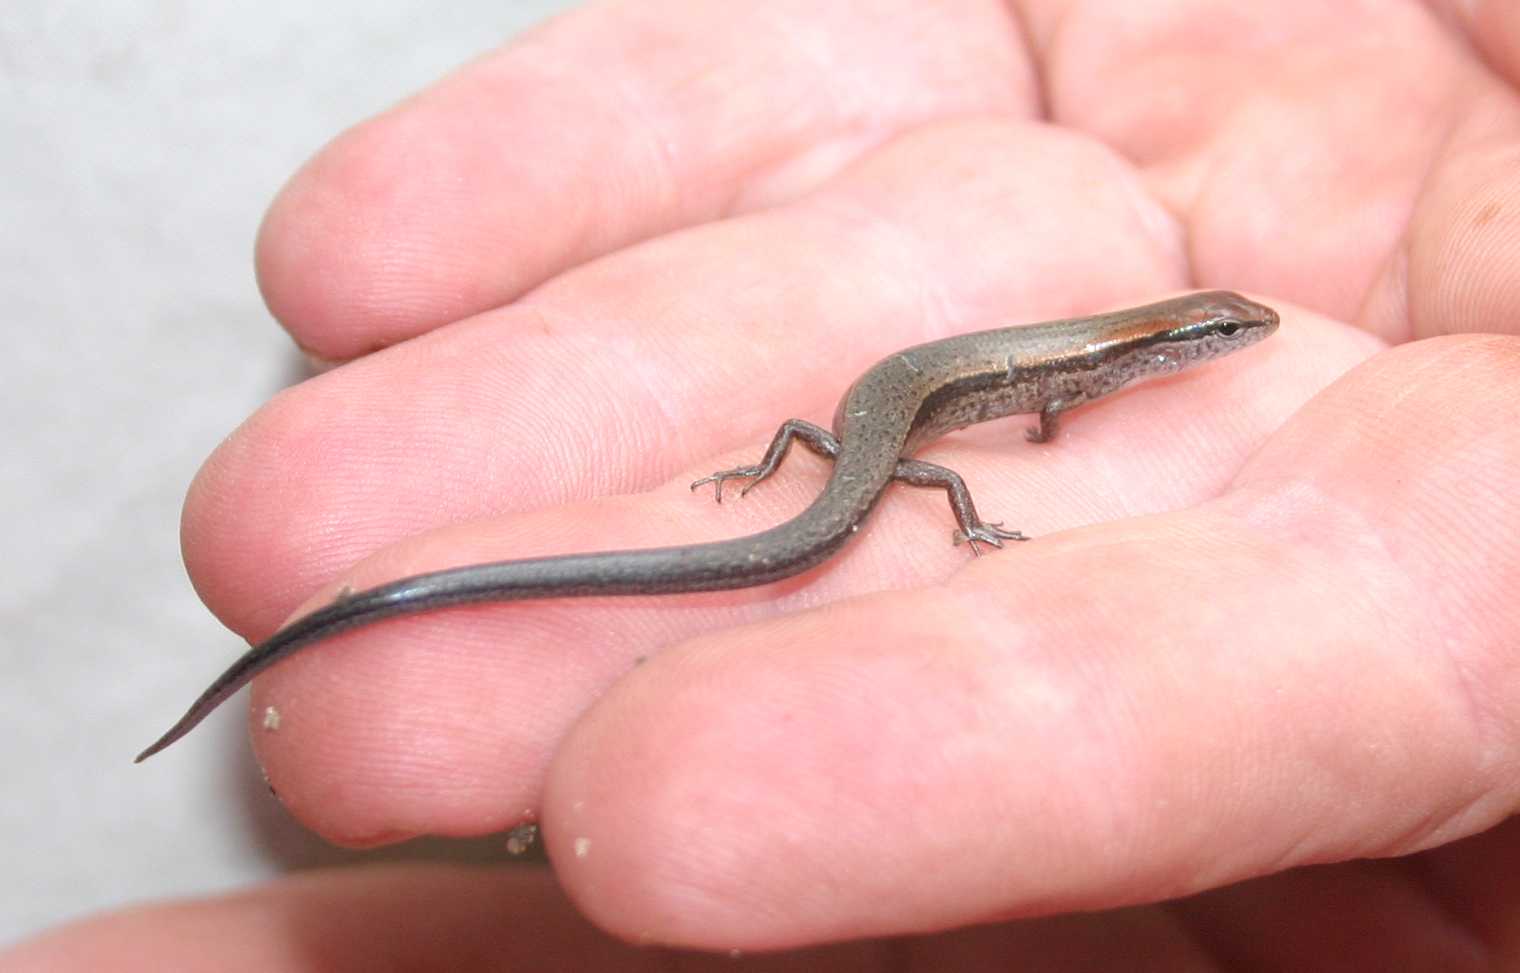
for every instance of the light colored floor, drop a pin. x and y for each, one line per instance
(140, 141)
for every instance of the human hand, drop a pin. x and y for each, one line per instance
(622, 282)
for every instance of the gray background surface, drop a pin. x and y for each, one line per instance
(139, 144)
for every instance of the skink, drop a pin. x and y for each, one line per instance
(900, 404)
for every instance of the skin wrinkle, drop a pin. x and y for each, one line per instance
(1385, 307)
(661, 148)
(1033, 55)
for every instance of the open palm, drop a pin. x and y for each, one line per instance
(1269, 620)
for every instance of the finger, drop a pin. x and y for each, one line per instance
(609, 125)
(388, 917)
(1372, 916)
(1453, 273)
(444, 723)
(1297, 142)
(1464, 239)
(623, 373)
(1317, 666)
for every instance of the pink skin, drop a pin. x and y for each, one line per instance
(1269, 619)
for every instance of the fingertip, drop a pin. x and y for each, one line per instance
(361, 248)
(1465, 243)
(732, 795)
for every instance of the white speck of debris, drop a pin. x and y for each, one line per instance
(582, 847)
(736, 954)
(271, 718)
(521, 838)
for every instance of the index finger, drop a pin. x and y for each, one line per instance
(609, 125)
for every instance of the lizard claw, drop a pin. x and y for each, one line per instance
(987, 533)
(717, 480)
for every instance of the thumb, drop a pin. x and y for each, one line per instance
(1315, 666)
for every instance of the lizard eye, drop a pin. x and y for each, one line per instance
(1227, 328)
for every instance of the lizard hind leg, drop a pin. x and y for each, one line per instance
(973, 529)
(815, 438)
